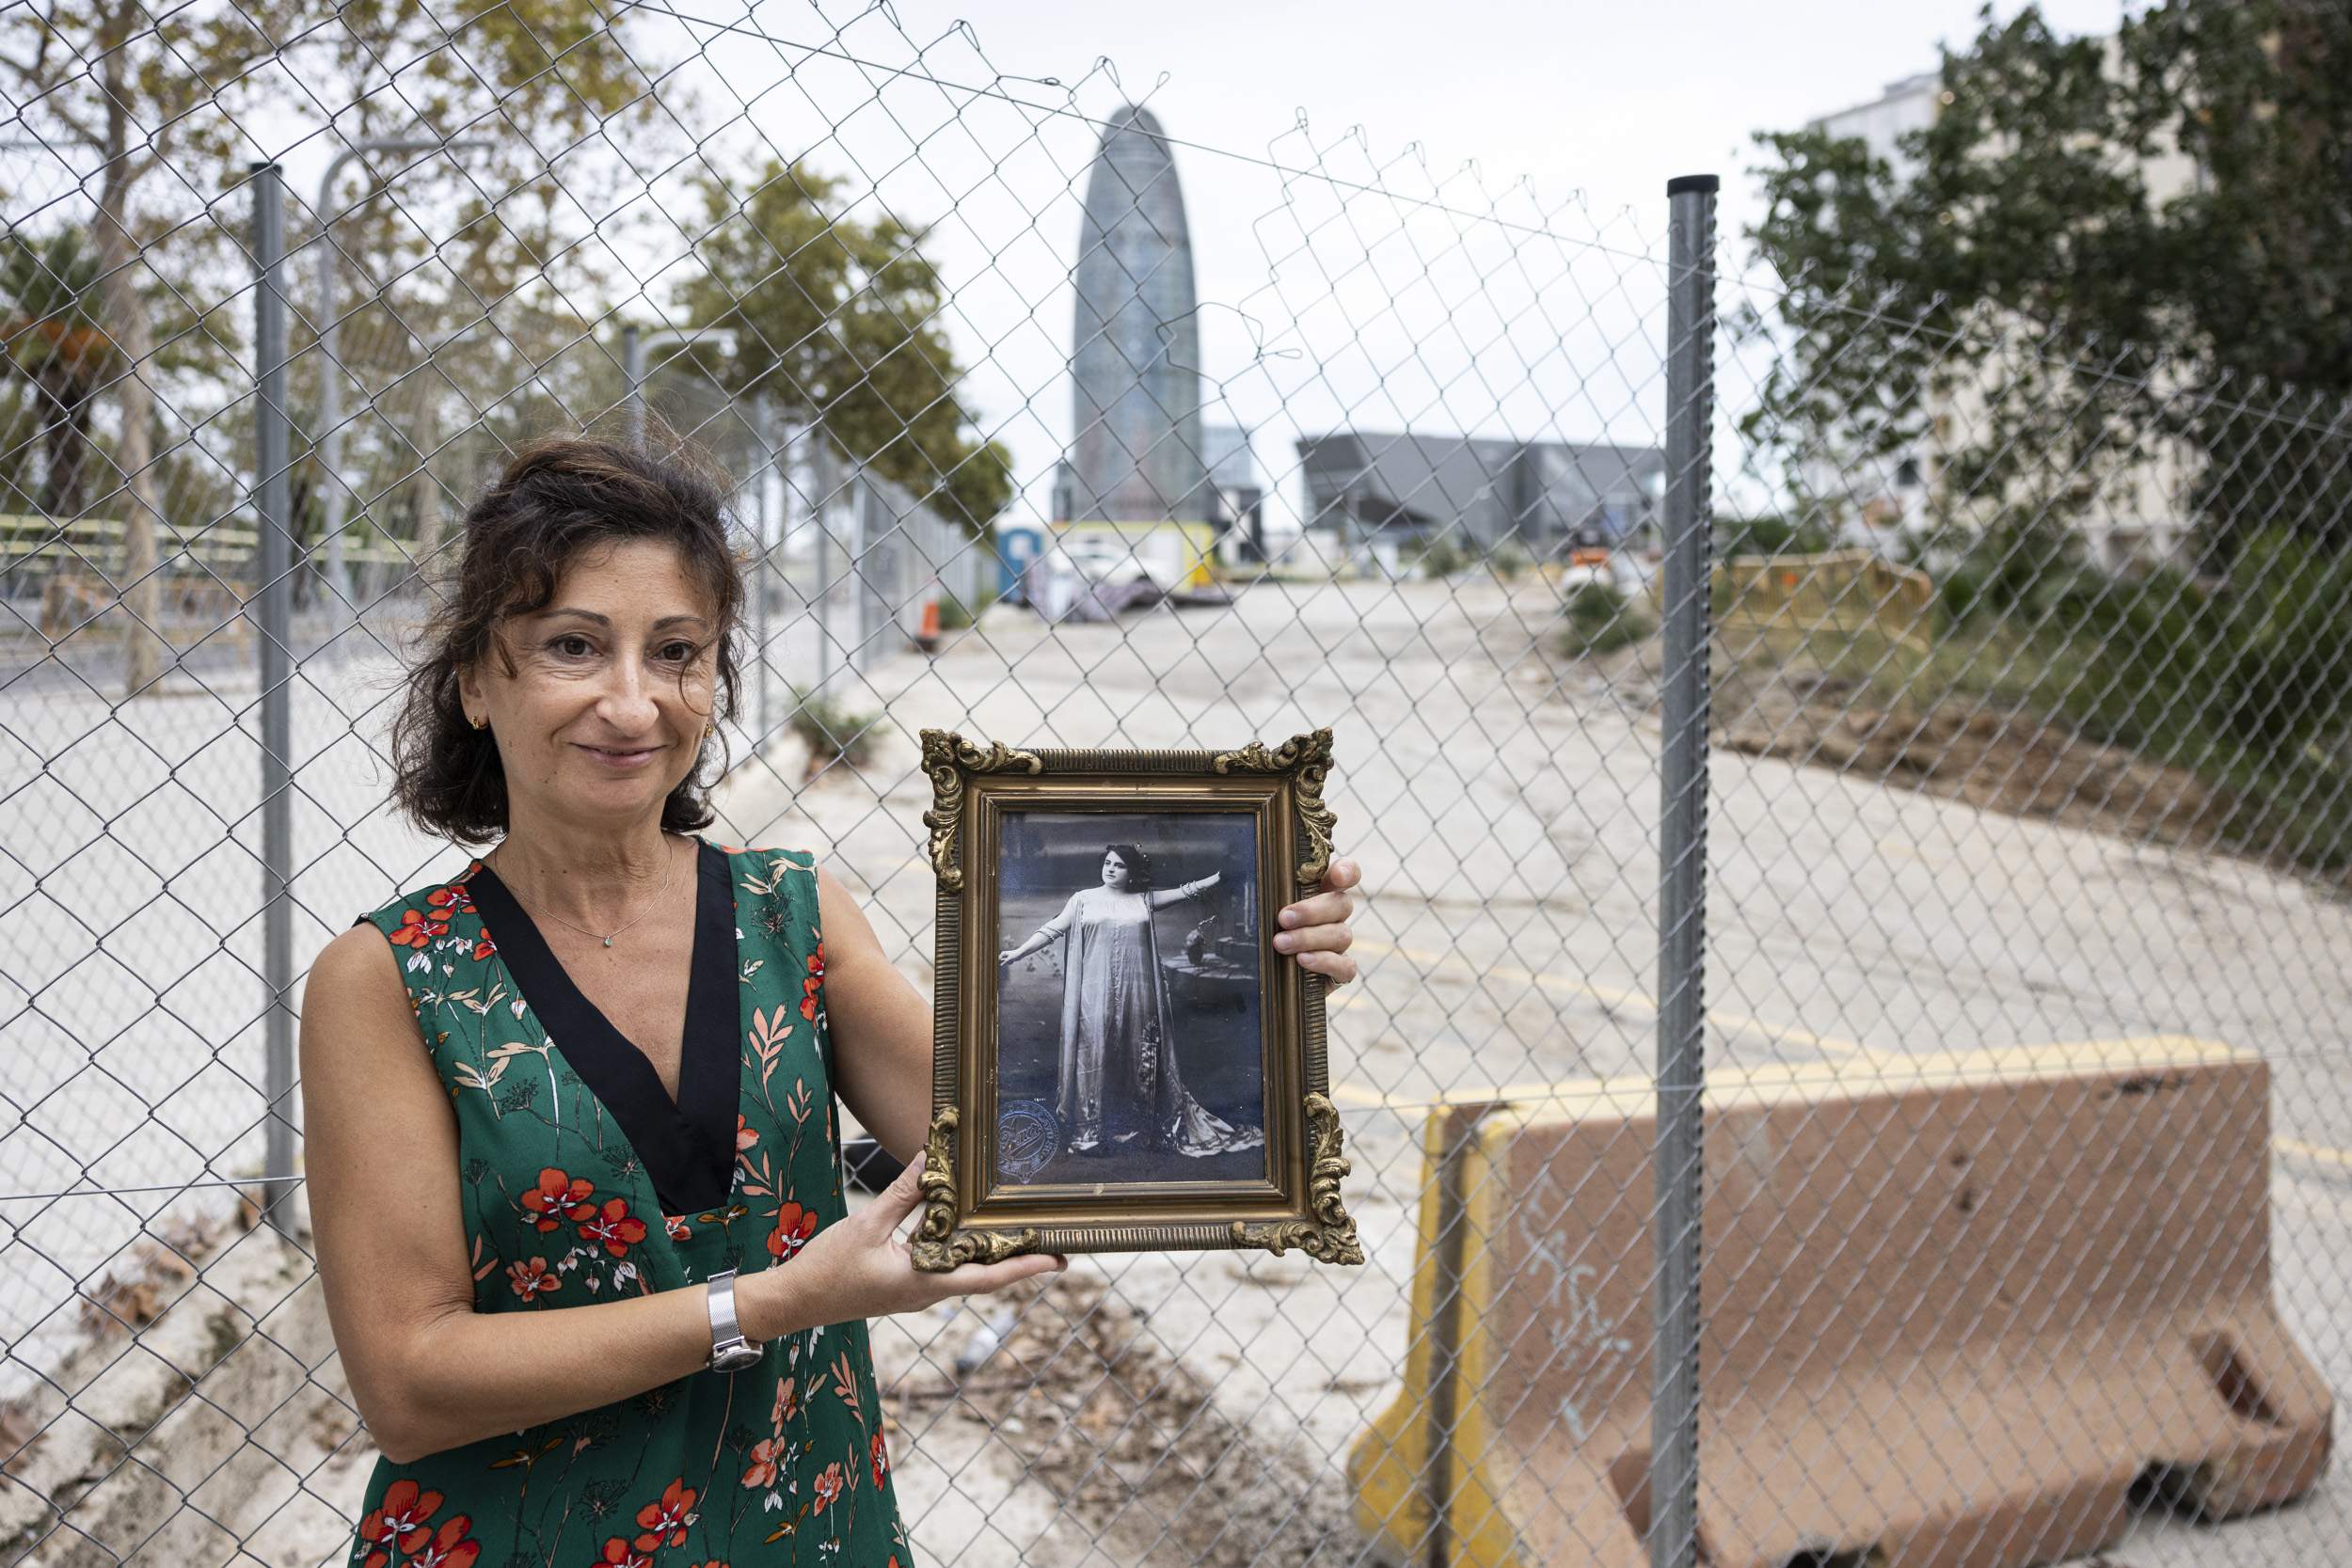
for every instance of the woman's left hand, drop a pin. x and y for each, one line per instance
(1316, 928)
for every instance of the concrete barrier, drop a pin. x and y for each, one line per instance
(1959, 1311)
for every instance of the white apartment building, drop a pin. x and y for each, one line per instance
(2140, 515)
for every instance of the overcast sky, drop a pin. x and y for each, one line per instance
(1598, 95)
(1323, 307)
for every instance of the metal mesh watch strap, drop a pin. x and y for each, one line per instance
(729, 1351)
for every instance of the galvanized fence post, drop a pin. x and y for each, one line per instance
(634, 400)
(764, 429)
(273, 444)
(820, 512)
(1682, 868)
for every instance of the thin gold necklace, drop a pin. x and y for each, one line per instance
(668, 875)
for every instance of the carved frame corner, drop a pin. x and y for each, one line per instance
(1330, 1236)
(938, 1246)
(1308, 759)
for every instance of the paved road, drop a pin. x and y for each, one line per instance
(1506, 803)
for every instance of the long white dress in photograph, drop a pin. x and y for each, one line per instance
(1119, 1064)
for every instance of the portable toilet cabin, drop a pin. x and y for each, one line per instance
(1017, 545)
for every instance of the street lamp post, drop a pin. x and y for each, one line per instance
(330, 373)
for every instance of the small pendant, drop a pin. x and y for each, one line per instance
(608, 941)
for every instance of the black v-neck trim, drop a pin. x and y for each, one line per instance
(687, 1146)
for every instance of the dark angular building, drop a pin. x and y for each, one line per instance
(1477, 493)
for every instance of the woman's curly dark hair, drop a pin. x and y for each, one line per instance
(558, 498)
(1138, 864)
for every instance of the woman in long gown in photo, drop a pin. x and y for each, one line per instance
(1119, 1079)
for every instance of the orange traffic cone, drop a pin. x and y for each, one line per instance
(928, 638)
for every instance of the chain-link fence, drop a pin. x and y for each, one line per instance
(1842, 1070)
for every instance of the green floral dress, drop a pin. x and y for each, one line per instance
(584, 1181)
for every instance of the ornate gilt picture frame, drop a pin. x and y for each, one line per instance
(1122, 1061)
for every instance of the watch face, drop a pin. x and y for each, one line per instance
(736, 1357)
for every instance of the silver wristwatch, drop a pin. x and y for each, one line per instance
(729, 1351)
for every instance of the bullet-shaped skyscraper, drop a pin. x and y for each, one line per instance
(1136, 446)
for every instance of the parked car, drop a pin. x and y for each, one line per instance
(1105, 558)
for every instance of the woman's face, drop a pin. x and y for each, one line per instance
(1114, 872)
(609, 691)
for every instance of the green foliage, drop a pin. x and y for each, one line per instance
(2025, 565)
(1507, 560)
(50, 338)
(1770, 534)
(2245, 683)
(166, 104)
(1600, 618)
(846, 317)
(2025, 257)
(2241, 683)
(955, 615)
(832, 730)
(1441, 557)
(2262, 664)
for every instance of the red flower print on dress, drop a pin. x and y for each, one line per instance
(669, 1517)
(531, 1280)
(453, 898)
(745, 1134)
(815, 985)
(677, 1228)
(450, 1548)
(615, 1227)
(560, 1198)
(483, 947)
(787, 1403)
(882, 1459)
(761, 1471)
(794, 1226)
(401, 1515)
(617, 1554)
(829, 1484)
(417, 929)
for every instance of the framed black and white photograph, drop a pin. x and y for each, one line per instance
(1123, 1062)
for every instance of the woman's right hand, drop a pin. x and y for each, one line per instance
(1007, 956)
(858, 1268)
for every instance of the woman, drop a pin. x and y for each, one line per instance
(1118, 1080)
(542, 1235)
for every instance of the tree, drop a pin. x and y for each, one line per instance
(839, 321)
(2021, 261)
(156, 109)
(56, 347)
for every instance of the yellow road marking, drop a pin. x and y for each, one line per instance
(1921, 1065)
(1736, 1023)
(1878, 1067)
(2318, 1153)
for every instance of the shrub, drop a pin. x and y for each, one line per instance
(1441, 558)
(1770, 536)
(1600, 618)
(955, 615)
(833, 731)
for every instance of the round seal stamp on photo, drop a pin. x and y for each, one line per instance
(1027, 1136)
